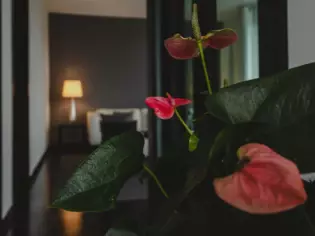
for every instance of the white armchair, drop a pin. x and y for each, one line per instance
(94, 126)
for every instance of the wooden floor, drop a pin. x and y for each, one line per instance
(40, 220)
(44, 221)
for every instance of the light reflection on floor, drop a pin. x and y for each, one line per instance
(71, 222)
(45, 221)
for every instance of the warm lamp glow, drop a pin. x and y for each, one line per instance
(72, 89)
(72, 222)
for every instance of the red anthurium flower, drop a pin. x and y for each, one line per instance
(219, 39)
(187, 48)
(181, 48)
(267, 184)
(164, 107)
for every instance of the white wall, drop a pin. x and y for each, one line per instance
(112, 8)
(301, 32)
(39, 81)
(6, 94)
(38, 90)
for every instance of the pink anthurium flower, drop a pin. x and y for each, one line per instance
(164, 107)
(187, 48)
(267, 184)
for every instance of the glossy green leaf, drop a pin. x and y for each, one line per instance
(193, 142)
(280, 99)
(222, 156)
(175, 168)
(294, 142)
(284, 103)
(207, 129)
(182, 171)
(97, 182)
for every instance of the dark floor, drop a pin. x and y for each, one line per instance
(40, 220)
(45, 221)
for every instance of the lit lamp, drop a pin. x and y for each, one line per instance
(72, 89)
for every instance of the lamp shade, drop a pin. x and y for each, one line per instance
(72, 89)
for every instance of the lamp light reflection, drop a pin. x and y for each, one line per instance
(71, 222)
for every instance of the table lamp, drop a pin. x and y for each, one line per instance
(72, 89)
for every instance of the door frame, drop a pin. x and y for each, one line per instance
(1, 166)
(273, 20)
(20, 81)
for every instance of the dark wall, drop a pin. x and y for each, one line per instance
(109, 56)
(273, 19)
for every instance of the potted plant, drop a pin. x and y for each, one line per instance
(238, 171)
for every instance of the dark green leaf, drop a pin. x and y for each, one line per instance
(295, 142)
(207, 129)
(97, 182)
(119, 232)
(193, 142)
(222, 156)
(174, 168)
(182, 171)
(281, 99)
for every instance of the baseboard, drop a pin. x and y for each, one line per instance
(39, 166)
(7, 222)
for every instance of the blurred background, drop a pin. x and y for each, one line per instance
(75, 72)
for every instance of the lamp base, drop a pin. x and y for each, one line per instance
(73, 114)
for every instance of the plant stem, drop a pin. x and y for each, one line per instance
(150, 172)
(183, 122)
(204, 65)
(225, 83)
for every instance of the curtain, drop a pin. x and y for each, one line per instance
(250, 43)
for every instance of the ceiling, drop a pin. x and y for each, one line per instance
(128, 8)
(111, 8)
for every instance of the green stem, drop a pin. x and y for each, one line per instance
(183, 122)
(225, 83)
(204, 65)
(150, 172)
